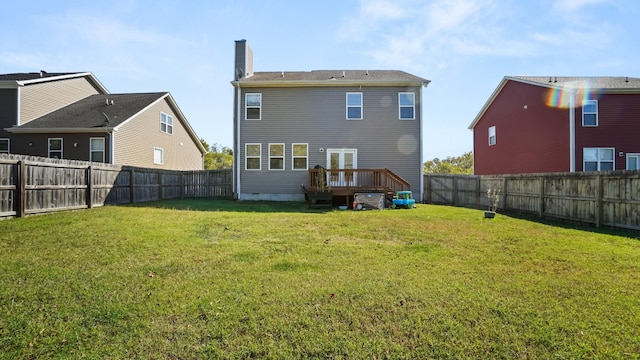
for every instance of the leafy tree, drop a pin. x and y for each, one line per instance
(217, 156)
(462, 164)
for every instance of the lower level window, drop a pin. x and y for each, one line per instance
(252, 156)
(55, 148)
(300, 156)
(97, 149)
(158, 155)
(276, 156)
(4, 146)
(598, 159)
(633, 161)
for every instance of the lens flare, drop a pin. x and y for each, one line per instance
(559, 96)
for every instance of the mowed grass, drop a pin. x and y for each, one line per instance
(222, 279)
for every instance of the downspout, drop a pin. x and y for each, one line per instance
(236, 155)
(112, 135)
(572, 131)
(421, 147)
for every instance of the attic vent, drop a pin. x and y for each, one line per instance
(626, 79)
(366, 73)
(282, 74)
(109, 102)
(343, 74)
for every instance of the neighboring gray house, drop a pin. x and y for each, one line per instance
(363, 126)
(72, 116)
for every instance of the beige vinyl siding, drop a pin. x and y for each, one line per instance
(317, 116)
(42, 98)
(135, 140)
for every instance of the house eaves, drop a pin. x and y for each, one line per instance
(20, 130)
(326, 83)
(92, 78)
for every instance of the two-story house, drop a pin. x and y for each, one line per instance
(363, 126)
(73, 116)
(558, 124)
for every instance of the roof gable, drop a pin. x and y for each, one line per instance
(622, 84)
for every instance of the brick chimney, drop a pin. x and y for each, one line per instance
(243, 61)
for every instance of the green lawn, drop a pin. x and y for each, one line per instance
(221, 279)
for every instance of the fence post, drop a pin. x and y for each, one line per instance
(132, 197)
(541, 205)
(21, 188)
(454, 190)
(504, 192)
(159, 184)
(428, 189)
(478, 194)
(89, 189)
(598, 200)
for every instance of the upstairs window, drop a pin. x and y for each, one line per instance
(55, 148)
(166, 123)
(492, 135)
(300, 156)
(4, 146)
(590, 113)
(253, 107)
(598, 159)
(96, 146)
(407, 105)
(252, 156)
(354, 106)
(276, 156)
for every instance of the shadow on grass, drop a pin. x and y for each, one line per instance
(575, 225)
(233, 205)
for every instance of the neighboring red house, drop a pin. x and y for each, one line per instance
(558, 124)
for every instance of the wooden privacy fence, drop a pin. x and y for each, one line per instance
(600, 198)
(30, 185)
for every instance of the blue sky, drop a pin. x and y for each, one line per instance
(465, 47)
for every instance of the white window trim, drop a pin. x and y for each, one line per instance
(161, 152)
(246, 156)
(347, 106)
(8, 145)
(104, 149)
(277, 157)
(61, 147)
(246, 106)
(629, 155)
(168, 127)
(294, 157)
(400, 106)
(492, 134)
(596, 112)
(613, 151)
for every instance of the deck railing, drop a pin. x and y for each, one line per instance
(347, 181)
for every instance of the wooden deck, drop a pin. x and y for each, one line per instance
(346, 182)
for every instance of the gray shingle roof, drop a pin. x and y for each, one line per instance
(593, 82)
(31, 76)
(90, 112)
(336, 76)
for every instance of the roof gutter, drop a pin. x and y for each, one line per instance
(334, 82)
(19, 130)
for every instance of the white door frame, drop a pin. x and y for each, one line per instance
(341, 178)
